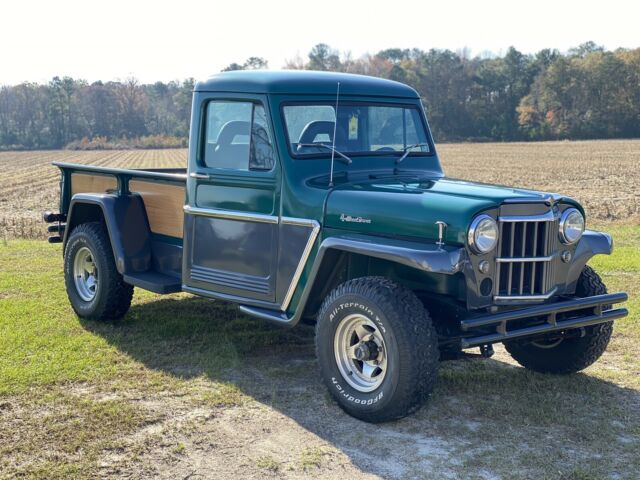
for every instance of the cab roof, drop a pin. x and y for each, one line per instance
(303, 82)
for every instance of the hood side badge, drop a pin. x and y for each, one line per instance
(442, 230)
(349, 218)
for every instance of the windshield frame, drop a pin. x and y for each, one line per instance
(327, 154)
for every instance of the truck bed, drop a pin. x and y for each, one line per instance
(163, 191)
(163, 195)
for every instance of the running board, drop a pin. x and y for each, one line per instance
(273, 316)
(154, 282)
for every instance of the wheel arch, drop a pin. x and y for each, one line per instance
(126, 222)
(410, 264)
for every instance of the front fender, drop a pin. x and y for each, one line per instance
(126, 220)
(592, 243)
(426, 257)
(429, 258)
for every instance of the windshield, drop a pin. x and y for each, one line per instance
(361, 129)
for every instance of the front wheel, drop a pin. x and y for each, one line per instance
(95, 288)
(566, 352)
(377, 349)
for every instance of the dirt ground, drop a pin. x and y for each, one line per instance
(284, 425)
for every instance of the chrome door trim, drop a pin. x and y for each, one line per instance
(272, 219)
(302, 222)
(230, 214)
(315, 229)
(200, 176)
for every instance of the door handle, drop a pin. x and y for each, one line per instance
(202, 176)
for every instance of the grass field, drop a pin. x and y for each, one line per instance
(189, 388)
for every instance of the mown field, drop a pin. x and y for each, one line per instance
(189, 388)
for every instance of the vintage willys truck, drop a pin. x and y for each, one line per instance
(397, 264)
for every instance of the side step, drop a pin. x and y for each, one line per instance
(154, 282)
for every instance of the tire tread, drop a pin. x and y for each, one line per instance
(115, 299)
(574, 356)
(417, 343)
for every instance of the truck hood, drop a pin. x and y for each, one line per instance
(410, 208)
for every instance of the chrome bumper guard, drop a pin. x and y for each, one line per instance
(552, 317)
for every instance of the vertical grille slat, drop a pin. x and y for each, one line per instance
(534, 265)
(523, 240)
(512, 238)
(523, 252)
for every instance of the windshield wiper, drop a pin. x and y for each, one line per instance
(343, 159)
(407, 150)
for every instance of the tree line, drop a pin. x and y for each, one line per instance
(65, 111)
(587, 92)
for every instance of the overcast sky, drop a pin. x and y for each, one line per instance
(156, 40)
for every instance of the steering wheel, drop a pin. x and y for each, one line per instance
(386, 149)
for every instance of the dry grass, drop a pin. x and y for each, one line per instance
(600, 174)
(29, 184)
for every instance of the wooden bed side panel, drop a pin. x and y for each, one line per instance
(90, 183)
(164, 204)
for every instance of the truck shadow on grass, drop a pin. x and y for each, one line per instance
(487, 417)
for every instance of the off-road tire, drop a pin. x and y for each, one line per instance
(451, 352)
(574, 353)
(411, 344)
(113, 297)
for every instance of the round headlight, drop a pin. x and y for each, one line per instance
(483, 234)
(571, 226)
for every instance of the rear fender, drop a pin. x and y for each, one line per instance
(126, 220)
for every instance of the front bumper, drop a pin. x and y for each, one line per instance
(540, 319)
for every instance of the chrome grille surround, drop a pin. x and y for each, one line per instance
(526, 257)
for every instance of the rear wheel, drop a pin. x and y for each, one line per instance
(377, 349)
(95, 288)
(571, 351)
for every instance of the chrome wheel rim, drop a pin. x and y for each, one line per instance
(360, 352)
(85, 274)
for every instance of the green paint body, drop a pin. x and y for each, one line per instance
(374, 197)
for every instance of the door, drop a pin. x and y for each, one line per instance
(231, 220)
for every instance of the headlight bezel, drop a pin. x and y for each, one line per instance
(474, 229)
(564, 218)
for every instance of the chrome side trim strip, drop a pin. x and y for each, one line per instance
(524, 298)
(545, 217)
(202, 176)
(305, 255)
(302, 222)
(524, 259)
(230, 214)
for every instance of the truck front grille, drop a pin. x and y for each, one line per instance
(525, 265)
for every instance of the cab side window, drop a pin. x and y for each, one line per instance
(238, 136)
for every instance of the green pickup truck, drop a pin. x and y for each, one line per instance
(320, 197)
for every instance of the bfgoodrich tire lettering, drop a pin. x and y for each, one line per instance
(112, 296)
(572, 354)
(409, 339)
